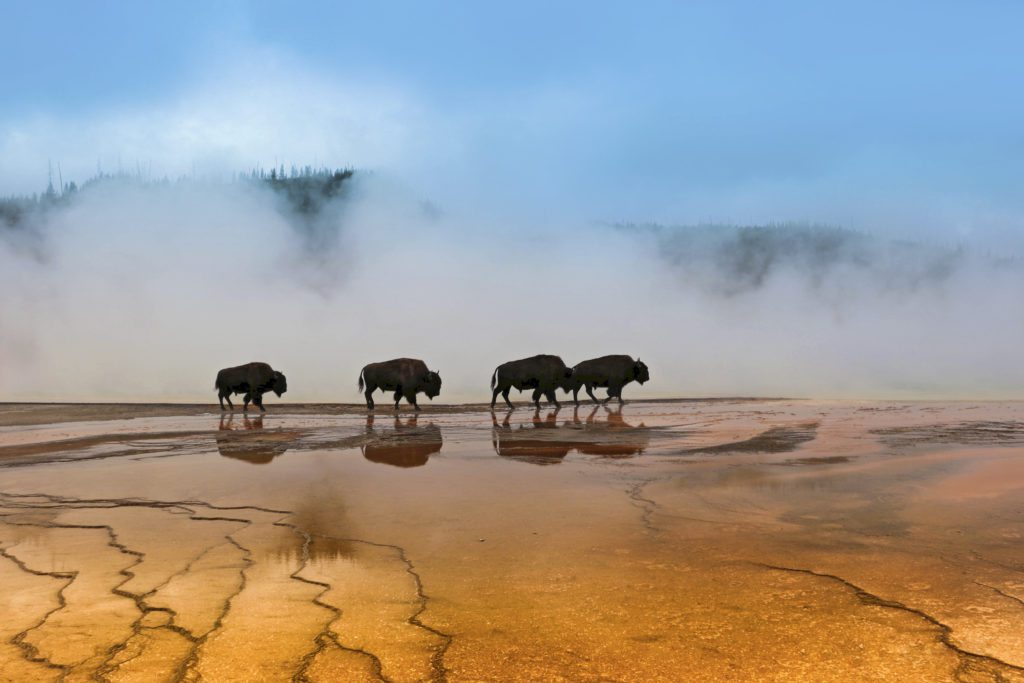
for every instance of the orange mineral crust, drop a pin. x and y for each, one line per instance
(698, 540)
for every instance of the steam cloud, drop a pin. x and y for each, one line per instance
(136, 291)
(467, 238)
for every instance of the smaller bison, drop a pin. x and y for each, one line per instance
(404, 376)
(611, 372)
(543, 373)
(252, 379)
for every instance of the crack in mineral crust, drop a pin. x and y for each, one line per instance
(194, 641)
(440, 672)
(326, 637)
(98, 673)
(32, 652)
(321, 641)
(967, 660)
(104, 670)
(1001, 592)
(646, 505)
(186, 668)
(61, 503)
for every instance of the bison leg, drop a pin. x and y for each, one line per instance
(410, 396)
(504, 395)
(370, 388)
(536, 398)
(550, 394)
(614, 390)
(258, 400)
(576, 396)
(590, 392)
(245, 404)
(494, 396)
(227, 396)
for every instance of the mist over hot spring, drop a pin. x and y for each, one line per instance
(132, 290)
(742, 195)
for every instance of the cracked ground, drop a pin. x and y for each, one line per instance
(690, 540)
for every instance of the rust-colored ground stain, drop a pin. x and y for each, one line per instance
(719, 540)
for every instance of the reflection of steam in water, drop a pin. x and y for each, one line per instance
(538, 441)
(321, 514)
(247, 442)
(407, 445)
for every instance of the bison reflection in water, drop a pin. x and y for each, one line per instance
(610, 372)
(404, 376)
(407, 445)
(252, 379)
(544, 442)
(543, 373)
(247, 442)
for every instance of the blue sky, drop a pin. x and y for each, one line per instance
(901, 116)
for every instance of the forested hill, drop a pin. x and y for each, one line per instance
(306, 190)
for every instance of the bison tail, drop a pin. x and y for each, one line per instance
(361, 380)
(494, 378)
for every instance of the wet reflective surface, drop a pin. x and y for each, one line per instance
(406, 444)
(248, 442)
(671, 541)
(608, 435)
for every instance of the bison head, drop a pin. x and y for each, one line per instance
(640, 372)
(431, 384)
(280, 384)
(567, 382)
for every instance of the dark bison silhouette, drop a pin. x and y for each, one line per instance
(542, 373)
(404, 376)
(252, 379)
(611, 372)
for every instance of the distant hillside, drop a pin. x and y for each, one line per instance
(305, 191)
(730, 260)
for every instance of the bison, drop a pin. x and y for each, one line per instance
(252, 379)
(612, 372)
(405, 376)
(543, 373)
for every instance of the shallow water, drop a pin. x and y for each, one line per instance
(773, 540)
